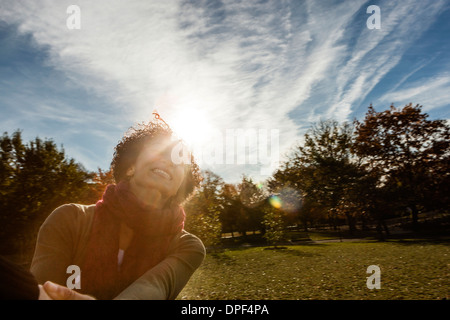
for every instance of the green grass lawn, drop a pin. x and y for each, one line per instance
(410, 269)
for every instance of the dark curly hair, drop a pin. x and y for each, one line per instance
(131, 144)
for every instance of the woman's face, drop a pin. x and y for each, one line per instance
(154, 170)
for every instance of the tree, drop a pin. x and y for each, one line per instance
(275, 226)
(409, 153)
(35, 178)
(241, 206)
(311, 212)
(97, 185)
(231, 210)
(203, 210)
(252, 198)
(323, 169)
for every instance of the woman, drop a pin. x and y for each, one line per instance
(131, 244)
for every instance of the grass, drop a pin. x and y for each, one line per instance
(410, 269)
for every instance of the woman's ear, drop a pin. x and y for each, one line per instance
(130, 172)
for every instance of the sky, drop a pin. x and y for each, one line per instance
(239, 81)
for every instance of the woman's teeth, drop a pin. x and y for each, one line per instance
(162, 173)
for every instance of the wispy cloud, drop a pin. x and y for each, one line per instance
(377, 52)
(431, 93)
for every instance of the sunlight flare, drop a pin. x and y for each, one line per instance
(191, 125)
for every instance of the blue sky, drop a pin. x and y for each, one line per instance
(212, 66)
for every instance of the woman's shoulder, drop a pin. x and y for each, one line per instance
(187, 241)
(189, 236)
(71, 212)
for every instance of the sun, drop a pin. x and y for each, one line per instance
(192, 126)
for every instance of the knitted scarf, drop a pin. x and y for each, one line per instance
(153, 231)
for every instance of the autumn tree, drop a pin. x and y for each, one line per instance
(97, 185)
(311, 212)
(324, 169)
(252, 198)
(230, 215)
(203, 210)
(409, 153)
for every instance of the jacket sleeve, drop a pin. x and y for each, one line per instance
(54, 246)
(166, 280)
(16, 282)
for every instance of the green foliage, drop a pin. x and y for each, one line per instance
(35, 178)
(203, 210)
(324, 170)
(230, 215)
(275, 226)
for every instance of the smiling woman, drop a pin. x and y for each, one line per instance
(132, 243)
(144, 158)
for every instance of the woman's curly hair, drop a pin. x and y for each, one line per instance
(131, 144)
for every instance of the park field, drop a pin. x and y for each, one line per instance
(410, 269)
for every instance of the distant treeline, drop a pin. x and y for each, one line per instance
(393, 162)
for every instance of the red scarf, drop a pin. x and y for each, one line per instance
(153, 231)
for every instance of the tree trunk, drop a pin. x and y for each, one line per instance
(305, 225)
(380, 231)
(363, 224)
(415, 218)
(383, 222)
(351, 223)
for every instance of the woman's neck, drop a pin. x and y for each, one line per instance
(125, 236)
(149, 197)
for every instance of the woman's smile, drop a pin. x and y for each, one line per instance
(162, 173)
(154, 175)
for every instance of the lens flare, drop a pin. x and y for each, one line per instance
(286, 199)
(275, 201)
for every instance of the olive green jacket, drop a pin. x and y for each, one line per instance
(62, 241)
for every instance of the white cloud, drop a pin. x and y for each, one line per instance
(430, 93)
(377, 52)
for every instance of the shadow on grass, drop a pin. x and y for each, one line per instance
(420, 241)
(421, 237)
(293, 252)
(222, 257)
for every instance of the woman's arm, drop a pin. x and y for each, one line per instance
(168, 278)
(54, 246)
(55, 249)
